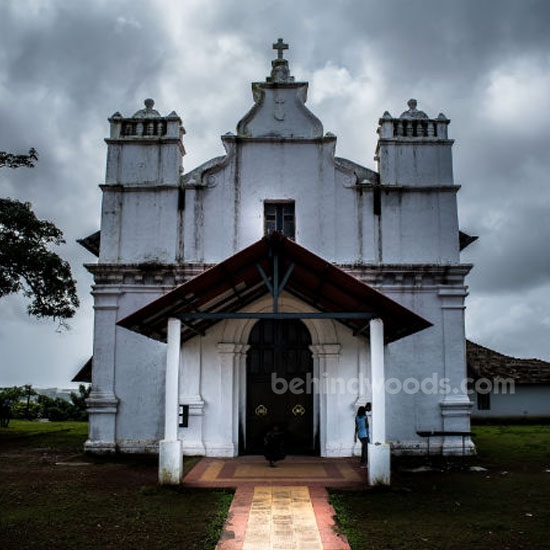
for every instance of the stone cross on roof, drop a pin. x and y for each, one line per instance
(280, 73)
(280, 46)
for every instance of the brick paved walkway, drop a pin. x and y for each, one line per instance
(279, 508)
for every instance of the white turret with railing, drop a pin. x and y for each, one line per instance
(414, 149)
(141, 190)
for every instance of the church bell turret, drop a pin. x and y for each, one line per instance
(140, 194)
(414, 149)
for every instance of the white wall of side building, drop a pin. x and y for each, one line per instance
(515, 401)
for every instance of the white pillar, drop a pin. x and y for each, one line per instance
(455, 406)
(170, 448)
(378, 449)
(103, 403)
(378, 430)
(326, 359)
(227, 439)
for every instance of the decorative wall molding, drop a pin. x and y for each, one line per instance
(377, 275)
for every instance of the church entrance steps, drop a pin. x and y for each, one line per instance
(282, 507)
(294, 470)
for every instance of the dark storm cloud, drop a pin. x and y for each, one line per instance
(62, 74)
(66, 66)
(517, 248)
(420, 38)
(82, 53)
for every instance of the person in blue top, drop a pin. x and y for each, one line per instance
(362, 432)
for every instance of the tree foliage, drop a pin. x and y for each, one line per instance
(26, 403)
(10, 160)
(27, 264)
(58, 409)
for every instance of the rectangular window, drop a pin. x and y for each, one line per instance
(279, 216)
(483, 401)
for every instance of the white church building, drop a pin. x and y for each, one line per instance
(280, 285)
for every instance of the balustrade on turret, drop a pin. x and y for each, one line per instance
(413, 124)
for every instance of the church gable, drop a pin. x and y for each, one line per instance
(278, 155)
(279, 111)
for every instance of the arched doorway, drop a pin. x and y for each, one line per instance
(279, 389)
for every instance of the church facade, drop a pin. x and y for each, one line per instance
(278, 284)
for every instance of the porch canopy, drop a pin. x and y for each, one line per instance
(271, 265)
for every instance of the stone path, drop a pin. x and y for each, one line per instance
(279, 508)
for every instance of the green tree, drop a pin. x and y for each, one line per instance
(27, 264)
(15, 161)
(56, 409)
(12, 394)
(28, 393)
(79, 402)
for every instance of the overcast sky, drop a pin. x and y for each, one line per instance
(67, 65)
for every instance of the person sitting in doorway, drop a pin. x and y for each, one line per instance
(274, 446)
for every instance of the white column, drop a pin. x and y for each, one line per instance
(378, 449)
(364, 393)
(103, 403)
(190, 395)
(170, 448)
(227, 439)
(326, 359)
(378, 429)
(455, 406)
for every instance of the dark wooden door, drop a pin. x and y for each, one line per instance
(279, 365)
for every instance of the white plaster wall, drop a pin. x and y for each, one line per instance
(408, 409)
(367, 228)
(525, 401)
(143, 164)
(140, 225)
(334, 218)
(342, 394)
(230, 215)
(139, 381)
(217, 429)
(280, 112)
(140, 388)
(148, 231)
(419, 164)
(421, 358)
(419, 227)
(111, 224)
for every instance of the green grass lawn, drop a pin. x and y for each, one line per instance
(507, 506)
(53, 496)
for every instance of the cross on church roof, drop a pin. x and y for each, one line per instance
(280, 46)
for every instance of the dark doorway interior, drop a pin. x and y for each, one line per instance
(280, 349)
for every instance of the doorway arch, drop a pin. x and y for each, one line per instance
(279, 390)
(324, 350)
